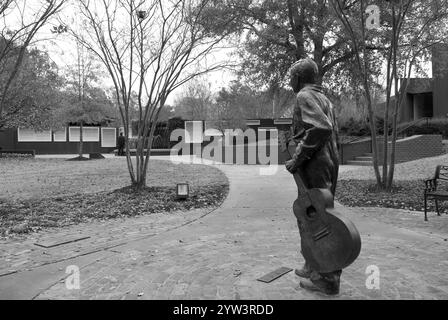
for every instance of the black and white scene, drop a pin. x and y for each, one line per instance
(224, 150)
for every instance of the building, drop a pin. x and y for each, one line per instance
(428, 98)
(103, 139)
(96, 139)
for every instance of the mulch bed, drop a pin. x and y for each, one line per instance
(25, 216)
(407, 195)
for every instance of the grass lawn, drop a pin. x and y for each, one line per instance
(40, 193)
(357, 188)
(410, 171)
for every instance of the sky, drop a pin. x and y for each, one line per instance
(62, 51)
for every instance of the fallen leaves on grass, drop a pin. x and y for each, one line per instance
(406, 195)
(24, 216)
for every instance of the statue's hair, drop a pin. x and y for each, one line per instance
(306, 70)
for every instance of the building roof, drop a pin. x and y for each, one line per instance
(420, 85)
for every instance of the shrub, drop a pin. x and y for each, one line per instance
(157, 143)
(361, 128)
(354, 128)
(175, 123)
(431, 126)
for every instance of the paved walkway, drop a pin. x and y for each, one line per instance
(220, 254)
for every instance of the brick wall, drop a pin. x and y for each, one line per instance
(416, 147)
(409, 149)
(349, 151)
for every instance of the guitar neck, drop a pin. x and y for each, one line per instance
(298, 177)
(299, 182)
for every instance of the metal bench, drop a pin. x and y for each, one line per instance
(433, 190)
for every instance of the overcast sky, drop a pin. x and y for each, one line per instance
(63, 52)
(62, 49)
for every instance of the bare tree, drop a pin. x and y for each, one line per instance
(81, 77)
(407, 48)
(83, 70)
(20, 21)
(196, 101)
(402, 46)
(362, 64)
(5, 5)
(150, 48)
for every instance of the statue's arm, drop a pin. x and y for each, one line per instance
(318, 129)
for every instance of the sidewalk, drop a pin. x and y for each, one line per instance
(220, 254)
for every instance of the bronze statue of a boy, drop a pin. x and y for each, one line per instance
(315, 134)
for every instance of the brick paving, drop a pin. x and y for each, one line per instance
(22, 253)
(220, 255)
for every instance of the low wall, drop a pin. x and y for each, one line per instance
(414, 148)
(409, 149)
(349, 151)
(9, 141)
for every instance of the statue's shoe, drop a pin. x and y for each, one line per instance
(320, 286)
(303, 273)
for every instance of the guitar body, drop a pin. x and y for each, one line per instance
(330, 242)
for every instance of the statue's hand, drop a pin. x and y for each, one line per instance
(291, 166)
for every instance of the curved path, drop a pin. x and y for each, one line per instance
(221, 255)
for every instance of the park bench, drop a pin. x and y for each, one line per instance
(434, 190)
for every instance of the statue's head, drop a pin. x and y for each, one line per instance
(303, 72)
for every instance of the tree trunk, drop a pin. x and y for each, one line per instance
(368, 94)
(400, 94)
(128, 151)
(81, 140)
(140, 182)
(275, 101)
(389, 80)
(296, 17)
(390, 178)
(140, 179)
(394, 48)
